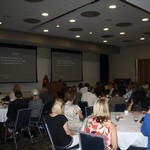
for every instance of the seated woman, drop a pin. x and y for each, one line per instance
(73, 112)
(58, 126)
(115, 99)
(14, 106)
(138, 102)
(100, 124)
(16, 88)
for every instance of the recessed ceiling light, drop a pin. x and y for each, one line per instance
(145, 19)
(45, 30)
(90, 33)
(57, 26)
(0, 22)
(106, 29)
(105, 41)
(72, 20)
(112, 6)
(122, 33)
(142, 39)
(44, 14)
(77, 36)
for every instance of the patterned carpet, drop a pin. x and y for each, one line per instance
(39, 143)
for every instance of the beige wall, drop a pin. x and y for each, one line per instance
(123, 65)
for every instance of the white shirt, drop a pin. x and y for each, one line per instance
(89, 97)
(83, 90)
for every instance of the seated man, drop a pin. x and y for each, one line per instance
(35, 104)
(89, 96)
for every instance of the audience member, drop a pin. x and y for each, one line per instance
(45, 95)
(16, 88)
(84, 88)
(73, 112)
(110, 89)
(89, 96)
(99, 123)
(145, 86)
(138, 101)
(122, 88)
(58, 126)
(35, 104)
(64, 89)
(115, 99)
(145, 128)
(98, 89)
(129, 92)
(14, 106)
(47, 99)
(78, 94)
(80, 85)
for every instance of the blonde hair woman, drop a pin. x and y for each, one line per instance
(58, 106)
(58, 126)
(100, 124)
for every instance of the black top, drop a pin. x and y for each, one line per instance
(13, 108)
(55, 125)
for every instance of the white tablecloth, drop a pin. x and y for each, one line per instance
(3, 112)
(129, 132)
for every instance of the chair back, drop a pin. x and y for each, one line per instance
(40, 114)
(49, 135)
(82, 105)
(51, 140)
(120, 108)
(23, 119)
(88, 111)
(89, 141)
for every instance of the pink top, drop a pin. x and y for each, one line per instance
(101, 129)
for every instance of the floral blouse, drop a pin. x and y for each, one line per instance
(101, 129)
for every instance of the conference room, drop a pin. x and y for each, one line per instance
(72, 41)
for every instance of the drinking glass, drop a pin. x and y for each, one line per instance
(117, 117)
(135, 118)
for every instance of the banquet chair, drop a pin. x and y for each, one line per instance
(90, 141)
(38, 122)
(120, 107)
(136, 148)
(88, 111)
(21, 124)
(82, 105)
(54, 147)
